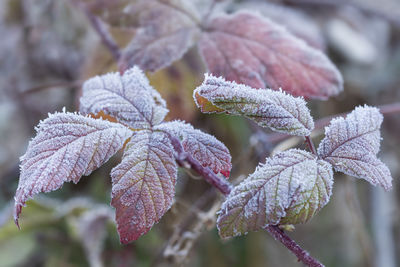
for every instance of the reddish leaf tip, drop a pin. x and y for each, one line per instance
(226, 173)
(17, 211)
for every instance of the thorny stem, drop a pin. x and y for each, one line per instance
(225, 188)
(105, 36)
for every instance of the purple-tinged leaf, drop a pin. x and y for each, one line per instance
(289, 188)
(66, 146)
(129, 98)
(295, 21)
(203, 147)
(351, 145)
(168, 28)
(143, 184)
(249, 49)
(277, 110)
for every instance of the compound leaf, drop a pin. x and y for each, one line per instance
(143, 184)
(66, 146)
(203, 147)
(289, 188)
(168, 28)
(129, 98)
(255, 51)
(351, 145)
(277, 110)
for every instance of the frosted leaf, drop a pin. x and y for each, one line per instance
(289, 188)
(295, 21)
(277, 110)
(168, 28)
(66, 146)
(143, 184)
(205, 148)
(351, 145)
(129, 98)
(255, 51)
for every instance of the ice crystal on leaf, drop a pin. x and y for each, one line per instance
(351, 145)
(129, 98)
(168, 28)
(67, 146)
(205, 148)
(143, 184)
(288, 189)
(277, 110)
(255, 51)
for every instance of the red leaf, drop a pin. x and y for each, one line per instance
(205, 148)
(249, 49)
(167, 30)
(143, 184)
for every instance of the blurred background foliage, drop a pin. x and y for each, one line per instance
(48, 48)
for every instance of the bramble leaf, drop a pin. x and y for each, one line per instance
(255, 51)
(67, 146)
(129, 98)
(295, 21)
(203, 147)
(143, 184)
(351, 145)
(168, 28)
(291, 187)
(277, 110)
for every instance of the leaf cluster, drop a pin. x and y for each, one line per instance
(70, 145)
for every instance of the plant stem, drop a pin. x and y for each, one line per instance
(182, 158)
(105, 36)
(225, 188)
(311, 145)
(301, 254)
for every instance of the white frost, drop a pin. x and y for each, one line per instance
(204, 147)
(351, 145)
(67, 146)
(275, 109)
(288, 189)
(128, 97)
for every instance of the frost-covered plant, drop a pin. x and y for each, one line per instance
(293, 185)
(289, 188)
(70, 145)
(243, 46)
(122, 111)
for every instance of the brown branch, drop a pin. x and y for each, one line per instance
(184, 159)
